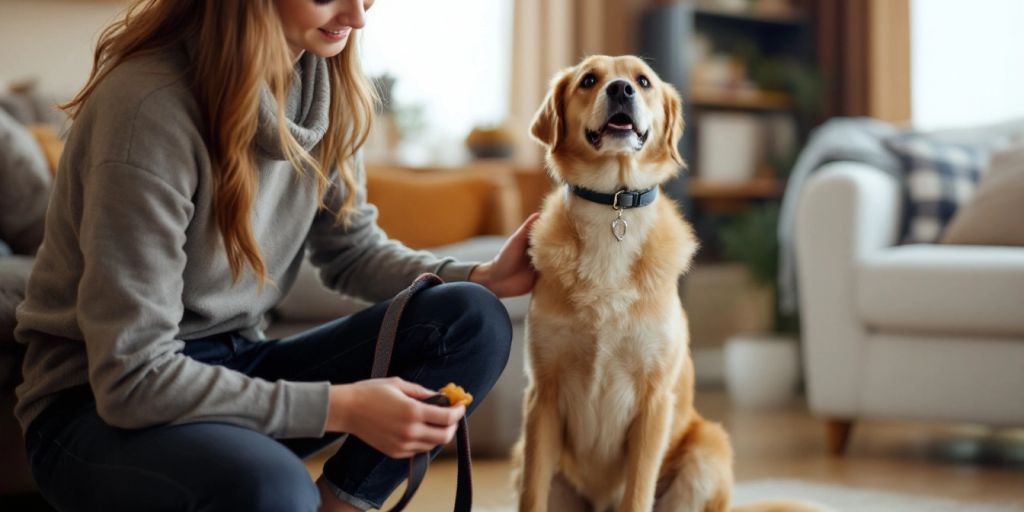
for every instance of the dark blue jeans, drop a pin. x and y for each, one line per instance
(455, 332)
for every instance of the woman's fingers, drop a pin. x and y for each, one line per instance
(412, 389)
(389, 416)
(433, 436)
(423, 439)
(443, 416)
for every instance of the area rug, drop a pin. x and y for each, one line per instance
(853, 499)
(836, 498)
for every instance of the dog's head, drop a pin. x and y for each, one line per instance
(610, 110)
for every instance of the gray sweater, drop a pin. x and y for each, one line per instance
(132, 265)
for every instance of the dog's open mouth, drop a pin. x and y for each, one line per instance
(618, 125)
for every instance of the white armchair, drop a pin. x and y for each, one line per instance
(933, 332)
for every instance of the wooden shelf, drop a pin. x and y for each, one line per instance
(759, 188)
(793, 18)
(744, 100)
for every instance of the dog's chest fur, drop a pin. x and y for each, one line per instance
(605, 287)
(598, 399)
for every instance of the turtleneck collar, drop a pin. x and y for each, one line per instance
(306, 107)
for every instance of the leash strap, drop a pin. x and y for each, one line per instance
(381, 363)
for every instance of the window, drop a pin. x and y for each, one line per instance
(967, 62)
(451, 61)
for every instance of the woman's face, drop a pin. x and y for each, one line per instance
(322, 27)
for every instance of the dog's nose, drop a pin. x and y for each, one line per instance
(620, 91)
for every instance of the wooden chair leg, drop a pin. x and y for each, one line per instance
(838, 435)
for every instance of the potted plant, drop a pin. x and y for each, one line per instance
(762, 369)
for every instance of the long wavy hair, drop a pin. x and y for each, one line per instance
(241, 49)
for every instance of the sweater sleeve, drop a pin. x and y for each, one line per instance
(360, 259)
(132, 237)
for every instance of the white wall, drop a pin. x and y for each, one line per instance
(967, 61)
(52, 41)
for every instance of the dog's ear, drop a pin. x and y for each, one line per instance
(673, 129)
(549, 122)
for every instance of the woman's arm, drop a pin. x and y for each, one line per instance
(360, 259)
(132, 237)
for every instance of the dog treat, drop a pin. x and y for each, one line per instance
(456, 395)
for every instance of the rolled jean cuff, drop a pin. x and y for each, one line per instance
(359, 503)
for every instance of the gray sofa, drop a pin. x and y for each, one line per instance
(14, 473)
(24, 191)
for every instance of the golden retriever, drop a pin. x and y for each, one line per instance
(609, 418)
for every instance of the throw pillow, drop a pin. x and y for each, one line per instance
(993, 216)
(938, 178)
(425, 209)
(19, 107)
(24, 187)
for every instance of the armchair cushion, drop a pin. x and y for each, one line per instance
(975, 290)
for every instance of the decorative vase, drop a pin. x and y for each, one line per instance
(761, 370)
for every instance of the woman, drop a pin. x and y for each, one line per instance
(213, 145)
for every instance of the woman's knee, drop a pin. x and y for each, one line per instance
(477, 311)
(269, 487)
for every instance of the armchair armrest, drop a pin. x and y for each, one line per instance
(847, 212)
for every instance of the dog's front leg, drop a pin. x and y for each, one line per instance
(543, 447)
(648, 440)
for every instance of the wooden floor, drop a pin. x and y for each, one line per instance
(959, 462)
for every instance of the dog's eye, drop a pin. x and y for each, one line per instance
(588, 81)
(643, 81)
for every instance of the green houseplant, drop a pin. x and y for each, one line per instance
(761, 368)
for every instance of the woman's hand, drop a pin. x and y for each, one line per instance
(510, 272)
(387, 415)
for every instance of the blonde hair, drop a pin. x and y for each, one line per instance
(241, 48)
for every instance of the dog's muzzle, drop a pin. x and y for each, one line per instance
(621, 114)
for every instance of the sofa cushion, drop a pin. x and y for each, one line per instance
(939, 178)
(993, 216)
(14, 272)
(943, 289)
(427, 209)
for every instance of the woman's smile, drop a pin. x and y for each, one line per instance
(336, 35)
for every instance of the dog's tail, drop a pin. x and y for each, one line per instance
(782, 506)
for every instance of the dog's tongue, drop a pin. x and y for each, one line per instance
(617, 126)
